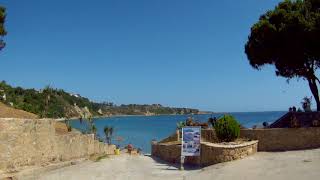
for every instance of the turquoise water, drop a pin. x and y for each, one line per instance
(140, 130)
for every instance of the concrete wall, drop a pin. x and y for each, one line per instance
(283, 139)
(35, 142)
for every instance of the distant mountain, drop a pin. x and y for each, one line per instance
(56, 103)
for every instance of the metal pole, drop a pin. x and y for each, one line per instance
(181, 163)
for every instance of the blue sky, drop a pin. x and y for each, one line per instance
(175, 52)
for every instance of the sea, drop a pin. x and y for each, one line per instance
(141, 130)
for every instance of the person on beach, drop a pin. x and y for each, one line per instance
(130, 148)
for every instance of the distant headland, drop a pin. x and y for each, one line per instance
(57, 103)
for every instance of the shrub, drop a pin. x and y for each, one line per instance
(227, 128)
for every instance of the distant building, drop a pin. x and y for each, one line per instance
(75, 95)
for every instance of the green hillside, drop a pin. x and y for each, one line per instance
(56, 103)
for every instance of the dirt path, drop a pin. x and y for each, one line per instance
(276, 166)
(123, 167)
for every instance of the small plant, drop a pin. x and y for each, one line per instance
(180, 125)
(69, 128)
(227, 128)
(97, 158)
(212, 121)
(108, 131)
(67, 122)
(94, 130)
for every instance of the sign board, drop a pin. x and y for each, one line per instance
(191, 141)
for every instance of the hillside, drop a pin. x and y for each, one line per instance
(56, 103)
(8, 112)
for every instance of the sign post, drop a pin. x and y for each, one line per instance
(190, 145)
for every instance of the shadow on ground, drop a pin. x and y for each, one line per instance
(173, 166)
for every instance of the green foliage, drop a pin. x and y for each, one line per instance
(49, 102)
(181, 124)
(3, 31)
(156, 109)
(99, 158)
(56, 103)
(288, 37)
(227, 128)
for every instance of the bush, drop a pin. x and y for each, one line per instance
(227, 128)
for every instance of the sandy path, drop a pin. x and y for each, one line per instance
(276, 166)
(123, 167)
(291, 165)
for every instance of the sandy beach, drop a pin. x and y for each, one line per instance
(291, 165)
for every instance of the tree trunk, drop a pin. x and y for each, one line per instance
(314, 90)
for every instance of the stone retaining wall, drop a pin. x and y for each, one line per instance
(284, 139)
(167, 152)
(211, 153)
(276, 139)
(26, 142)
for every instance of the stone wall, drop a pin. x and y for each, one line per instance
(276, 139)
(211, 153)
(284, 139)
(207, 135)
(26, 142)
(167, 151)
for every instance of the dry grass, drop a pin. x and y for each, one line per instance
(9, 112)
(61, 128)
(97, 158)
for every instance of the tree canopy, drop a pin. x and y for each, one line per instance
(3, 31)
(288, 37)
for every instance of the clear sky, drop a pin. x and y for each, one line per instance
(185, 53)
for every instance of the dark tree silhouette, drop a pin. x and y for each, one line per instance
(288, 37)
(3, 31)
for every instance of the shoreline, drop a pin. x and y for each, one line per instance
(125, 115)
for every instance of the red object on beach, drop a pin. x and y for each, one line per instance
(130, 148)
